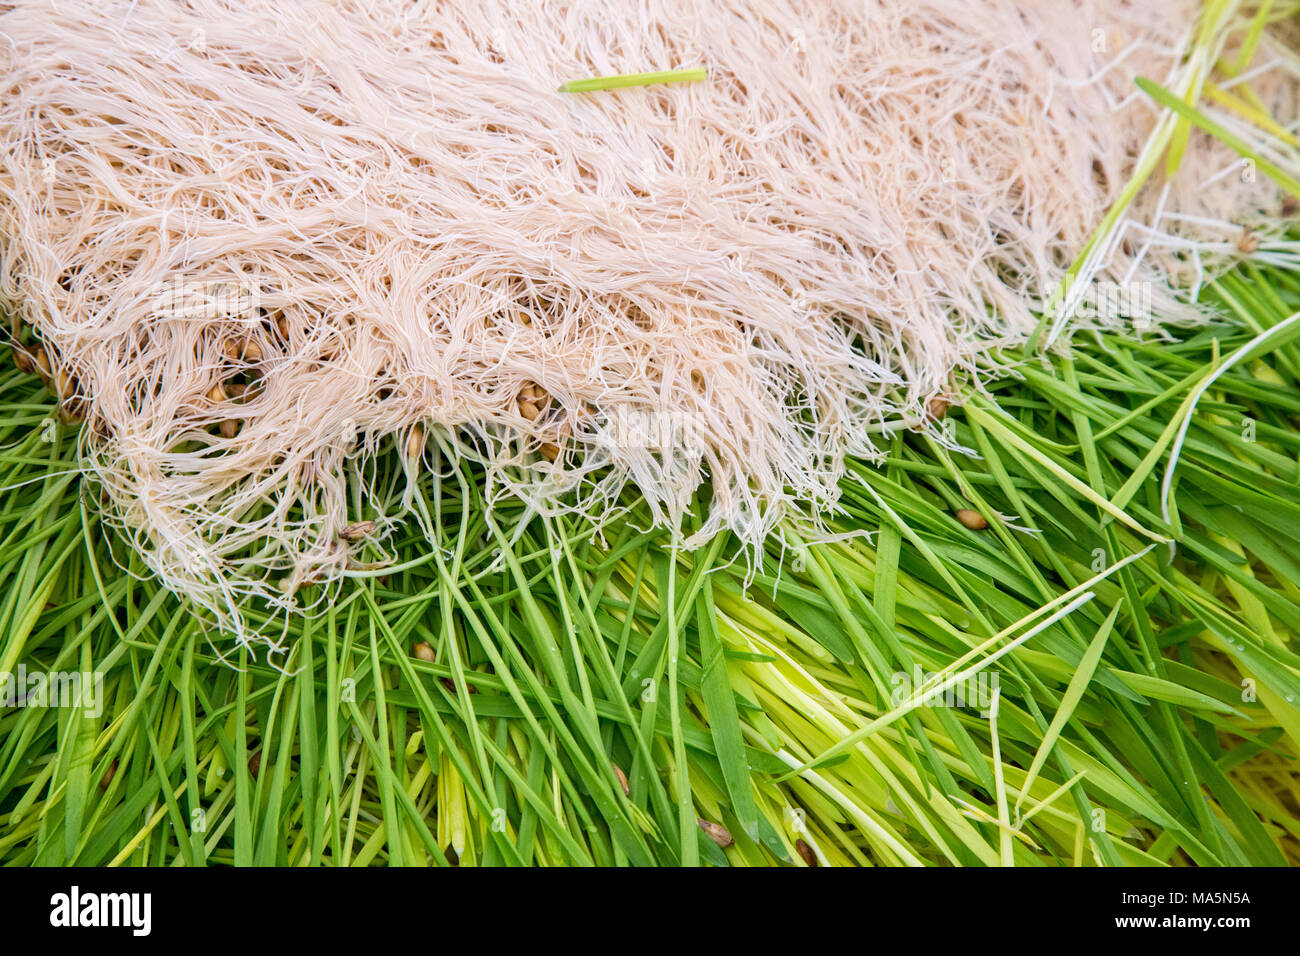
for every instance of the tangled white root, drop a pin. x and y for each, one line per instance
(260, 236)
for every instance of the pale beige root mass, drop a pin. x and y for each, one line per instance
(386, 214)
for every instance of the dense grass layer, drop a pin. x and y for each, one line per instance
(1149, 716)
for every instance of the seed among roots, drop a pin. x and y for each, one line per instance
(65, 386)
(71, 407)
(23, 359)
(217, 394)
(936, 408)
(245, 349)
(1290, 206)
(532, 400)
(622, 779)
(72, 410)
(229, 428)
(552, 450)
(532, 392)
(42, 360)
(1247, 242)
(972, 519)
(717, 833)
(355, 532)
(806, 853)
(415, 443)
(424, 652)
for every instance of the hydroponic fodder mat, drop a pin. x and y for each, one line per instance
(866, 438)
